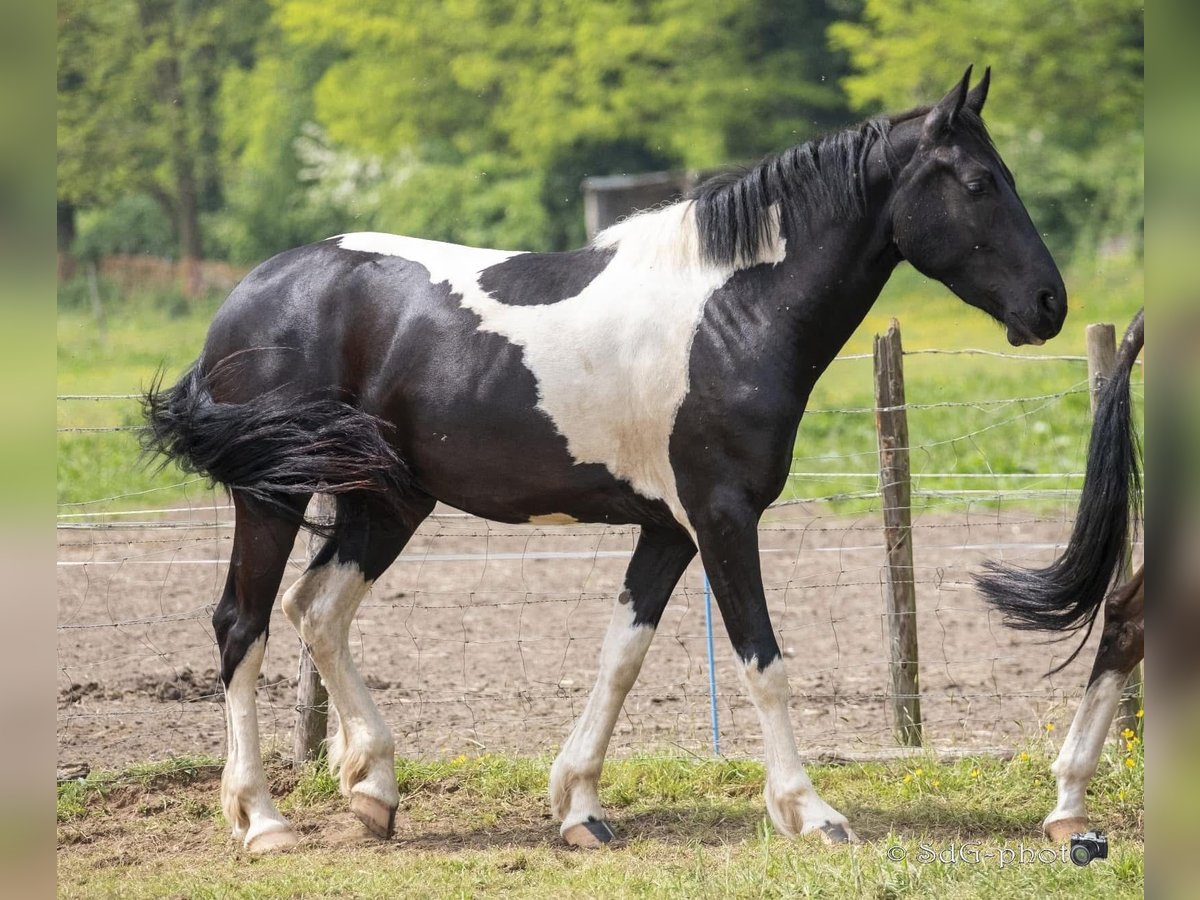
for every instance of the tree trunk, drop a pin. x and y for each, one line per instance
(66, 238)
(157, 18)
(188, 223)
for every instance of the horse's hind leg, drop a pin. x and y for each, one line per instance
(658, 561)
(321, 604)
(262, 542)
(1122, 644)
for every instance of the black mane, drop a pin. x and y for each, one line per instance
(824, 177)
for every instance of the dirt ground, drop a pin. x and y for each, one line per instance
(484, 637)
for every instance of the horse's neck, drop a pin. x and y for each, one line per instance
(832, 275)
(819, 294)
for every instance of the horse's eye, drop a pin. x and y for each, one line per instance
(976, 187)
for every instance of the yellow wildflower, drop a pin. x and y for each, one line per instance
(1129, 762)
(907, 778)
(1049, 726)
(975, 773)
(1140, 713)
(918, 771)
(1024, 756)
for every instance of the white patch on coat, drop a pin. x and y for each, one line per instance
(553, 519)
(1080, 754)
(792, 801)
(436, 256)
(245, 796)
(611, 363)
(575, 775)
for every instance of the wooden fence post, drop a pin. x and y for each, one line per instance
(891, 426)
(1102, 359)
(312, 699)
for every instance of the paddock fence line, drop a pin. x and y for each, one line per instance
(485, 637)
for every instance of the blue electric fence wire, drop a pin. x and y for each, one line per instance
(712, 669)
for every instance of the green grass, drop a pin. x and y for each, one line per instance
(987, 437)
(688, 827)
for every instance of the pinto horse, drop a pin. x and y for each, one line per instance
(656, 377)
(1067, 595)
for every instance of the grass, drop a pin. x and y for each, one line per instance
(1025, 437)
(696, 828)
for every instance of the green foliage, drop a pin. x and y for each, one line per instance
(135, 223)
(137, 81)
(1066, 103)
(270, 204)
(522, 99)
(476, 120)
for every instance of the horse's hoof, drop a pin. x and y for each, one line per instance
(590, 835)
(377, 816)
(1060, 830)
(272, 841)
(836, 833)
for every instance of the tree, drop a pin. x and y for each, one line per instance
(526, 97)
(137, 83)
(1066, 104)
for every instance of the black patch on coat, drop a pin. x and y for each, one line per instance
(533, 279)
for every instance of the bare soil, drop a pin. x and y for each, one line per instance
(484, 637)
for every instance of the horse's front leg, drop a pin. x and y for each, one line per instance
(1122, 645)
(659, 559)
(728, 536)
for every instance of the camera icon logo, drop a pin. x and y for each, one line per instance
(1086, 846)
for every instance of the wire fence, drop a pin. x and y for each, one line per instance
(485, 637)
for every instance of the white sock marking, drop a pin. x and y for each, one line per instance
(575, 775)
(1080, 754)
(792, 801)
(245, 796)
(321, 604)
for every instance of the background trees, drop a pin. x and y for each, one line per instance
(234, 129)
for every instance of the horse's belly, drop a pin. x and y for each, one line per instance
(522, 475)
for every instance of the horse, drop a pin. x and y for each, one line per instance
(1067, 595)
(655, 377)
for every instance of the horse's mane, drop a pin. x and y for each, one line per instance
(741, 213)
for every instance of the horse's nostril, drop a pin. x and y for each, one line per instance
(1046, 301)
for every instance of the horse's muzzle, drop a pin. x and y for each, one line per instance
(1041, 320)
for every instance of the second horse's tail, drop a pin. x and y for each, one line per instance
(1066, 595)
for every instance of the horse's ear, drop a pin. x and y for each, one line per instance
(940, 120)
(978, 95)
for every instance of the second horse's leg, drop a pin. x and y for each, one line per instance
(659, 559)
(1121, 648)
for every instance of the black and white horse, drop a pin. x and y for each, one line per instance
(655, 377)
(1067, 594)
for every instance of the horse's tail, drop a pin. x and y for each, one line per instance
(273, 447)
(1067, 594)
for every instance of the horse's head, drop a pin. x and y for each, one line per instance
(956, 217)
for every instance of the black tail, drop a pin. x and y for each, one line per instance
(272, 447)
(1067, 594)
